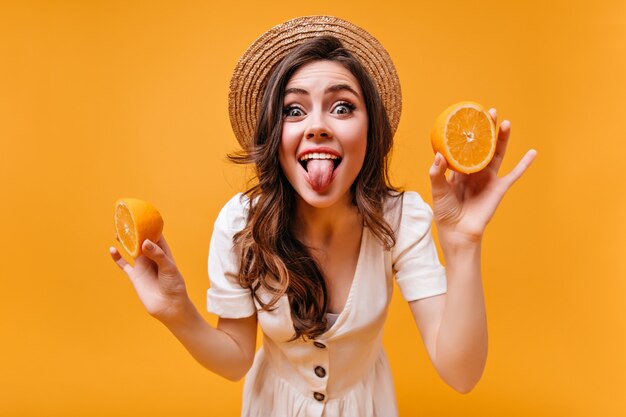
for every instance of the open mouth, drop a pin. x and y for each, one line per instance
(320, 169)
(304, 160)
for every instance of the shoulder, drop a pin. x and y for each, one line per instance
(407, 208)
(233, 215)
(414, 206)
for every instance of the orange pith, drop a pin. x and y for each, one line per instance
(135, 221)
(465, 135)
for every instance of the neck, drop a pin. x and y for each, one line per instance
(318, 227)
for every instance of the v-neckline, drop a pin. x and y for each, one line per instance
(341, 316)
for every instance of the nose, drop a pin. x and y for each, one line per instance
(317, 130)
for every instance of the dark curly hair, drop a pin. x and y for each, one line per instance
(272, 258)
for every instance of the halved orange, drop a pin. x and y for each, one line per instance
(465, 135)
(135, 221)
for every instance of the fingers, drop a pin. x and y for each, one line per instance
(457, 178)
(437, 174)
(501, 144)
(121, 262)
(520, 168)
(155, 253)
(494, 115)
(166, 248)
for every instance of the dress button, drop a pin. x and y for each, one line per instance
(319, 371)
(319, 345)
(318, 396)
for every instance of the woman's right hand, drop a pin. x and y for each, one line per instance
(161, 288)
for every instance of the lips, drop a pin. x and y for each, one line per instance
(321, 153)
(319, 156)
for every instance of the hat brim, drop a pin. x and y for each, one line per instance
(256, 64)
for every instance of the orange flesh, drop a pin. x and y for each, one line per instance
(125, 227)
(468, 136)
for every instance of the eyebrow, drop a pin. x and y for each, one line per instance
(332, 89)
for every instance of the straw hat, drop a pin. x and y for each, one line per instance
(256, 64)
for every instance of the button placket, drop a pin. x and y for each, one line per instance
(319, 376)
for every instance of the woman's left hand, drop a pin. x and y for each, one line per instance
(464, 203)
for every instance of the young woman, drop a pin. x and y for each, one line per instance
(310, 252)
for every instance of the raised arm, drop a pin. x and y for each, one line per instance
(227, 350)
(454, 325)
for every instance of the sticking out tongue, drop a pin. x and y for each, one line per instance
(320, 173)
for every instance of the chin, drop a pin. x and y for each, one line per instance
(323, 200)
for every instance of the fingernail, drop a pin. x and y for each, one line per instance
(437, 160)
(149, 245)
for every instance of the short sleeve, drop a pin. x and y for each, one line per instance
(226, 297)
(419, 273)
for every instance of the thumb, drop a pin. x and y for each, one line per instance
(153, 252)
(437, 174)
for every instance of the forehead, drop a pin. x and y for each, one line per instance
(323, 73)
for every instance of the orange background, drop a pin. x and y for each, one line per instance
(100, 100)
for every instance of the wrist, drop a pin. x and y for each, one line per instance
(179, 314)
(456, 240)
(459, 246)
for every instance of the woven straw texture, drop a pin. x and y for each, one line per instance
(256, 64)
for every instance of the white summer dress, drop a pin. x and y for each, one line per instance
(345, 371)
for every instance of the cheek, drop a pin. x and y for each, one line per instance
(355, 141)
(289, 138)
(287, 148)
(282, 152)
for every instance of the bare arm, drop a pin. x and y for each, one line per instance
(454, 325)
(227, 350)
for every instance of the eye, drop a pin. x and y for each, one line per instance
(293, 111)
(344, 108)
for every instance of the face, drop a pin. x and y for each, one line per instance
(324, 135)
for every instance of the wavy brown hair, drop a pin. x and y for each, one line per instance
(272, 258)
